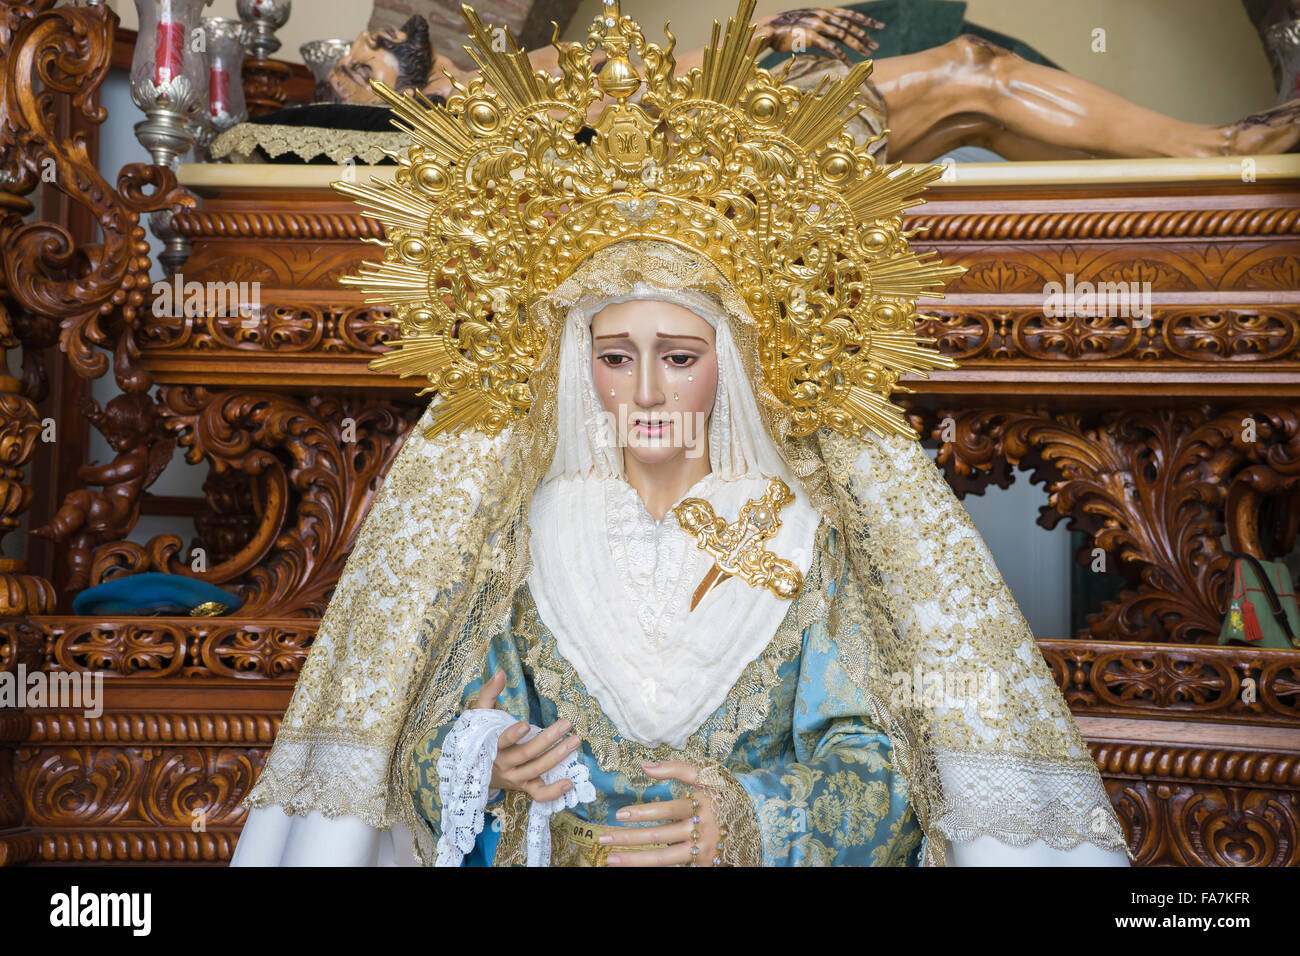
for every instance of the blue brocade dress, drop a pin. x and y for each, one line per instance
(818, 772)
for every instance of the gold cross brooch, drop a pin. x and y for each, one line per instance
(737, 548)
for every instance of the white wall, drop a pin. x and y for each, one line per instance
(309, 20)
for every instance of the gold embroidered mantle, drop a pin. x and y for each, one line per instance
(435, 568)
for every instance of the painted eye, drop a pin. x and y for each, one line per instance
(615, 361)
(681, 361)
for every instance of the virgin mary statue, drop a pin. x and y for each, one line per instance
(660, 578)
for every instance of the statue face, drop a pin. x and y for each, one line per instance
(656, 372)
(349, 81)
(402, 58)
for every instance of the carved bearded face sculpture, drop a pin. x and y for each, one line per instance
(402, 58)
(656, 372)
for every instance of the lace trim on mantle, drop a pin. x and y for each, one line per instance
(741, 840)
(330, 773)
(1018, 800)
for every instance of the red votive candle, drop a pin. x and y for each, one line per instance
(169, 50)
(218, 90)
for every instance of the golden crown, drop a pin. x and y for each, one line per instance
(507, 188)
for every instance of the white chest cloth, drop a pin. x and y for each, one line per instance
(614, 586)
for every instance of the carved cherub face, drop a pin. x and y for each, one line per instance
(656, 371)
(127, 422)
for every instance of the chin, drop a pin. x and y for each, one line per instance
(653, 455)
(658, 455)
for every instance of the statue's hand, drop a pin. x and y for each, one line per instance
(684, 818)
(823, 28)
(520, 766)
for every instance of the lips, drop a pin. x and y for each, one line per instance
(650, 425)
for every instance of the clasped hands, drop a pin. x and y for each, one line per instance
(519, 766)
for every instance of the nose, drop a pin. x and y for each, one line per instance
(650, 385)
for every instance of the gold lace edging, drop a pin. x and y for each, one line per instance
(306, 142)
(742, 840)
(329, 773)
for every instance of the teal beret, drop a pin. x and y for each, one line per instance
(152, 593)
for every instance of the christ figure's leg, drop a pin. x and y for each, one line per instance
(972, 92)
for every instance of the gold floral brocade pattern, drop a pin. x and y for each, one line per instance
(1012, 766)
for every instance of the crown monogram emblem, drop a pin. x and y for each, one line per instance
(508, 187)
(737, 548)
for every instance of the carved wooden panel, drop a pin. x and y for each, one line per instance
(162, 648)
(1235, 267)
(1151, 486)
(1175, 681)
(1136, 428)
(1225, 284)
(1196, 806)
(1201, 336)
(147, 783)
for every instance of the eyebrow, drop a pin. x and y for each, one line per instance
(661, 335)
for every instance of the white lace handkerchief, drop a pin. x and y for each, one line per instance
(464, 775)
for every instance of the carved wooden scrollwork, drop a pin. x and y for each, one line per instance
(163, 787)
(231, 520)
(66, 51)
(1242, 266)
(314, 465)
(1149, 485)
(1256, 336)
(1196, 806)
(159, 648)
(280, 329)
(1198, 682)
(20, 426)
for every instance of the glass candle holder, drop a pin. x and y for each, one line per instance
(320, 57)
(169, 83)
(264, 17)
(226, 38)
(167, 68)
